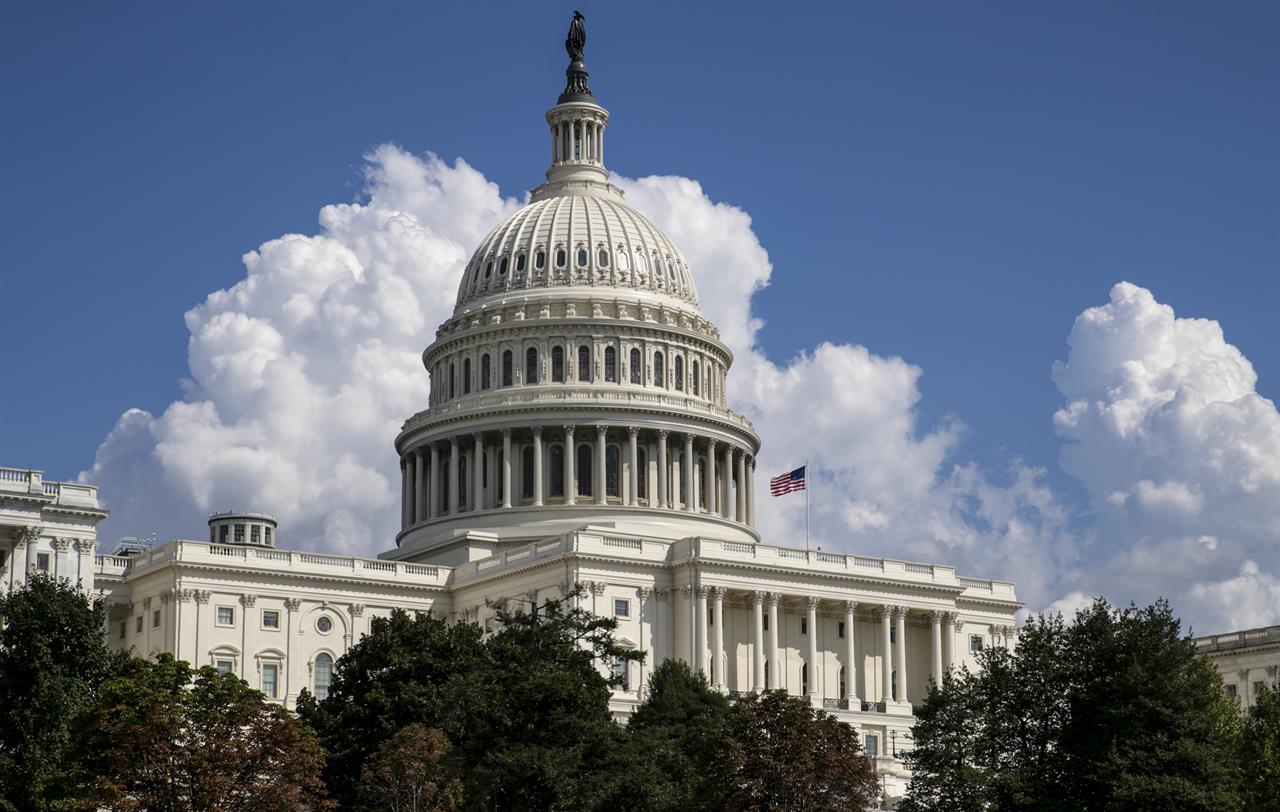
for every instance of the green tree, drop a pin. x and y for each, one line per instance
(1259, 757)
(408, 669)
(411, 772)
(780, 753)
(526, 708)
(158, 741)
(53, 657)
(1115, 711)
(669, 737)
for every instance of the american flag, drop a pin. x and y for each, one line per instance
(788, 482)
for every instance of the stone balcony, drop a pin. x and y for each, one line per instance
(250, 560)
(30, 483)
(1267, 636)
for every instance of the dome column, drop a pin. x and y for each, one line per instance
(726, 486)
(570, 481)
(453, 476)
(477, 494)
(711, 477)
(633, 462)
(600, 462)
(506, 468)
(751, 492)
(742, 488)
(690, 499)
(433, 498)
(537, 466)
(662, 468)
(419, 487)
(404, 492)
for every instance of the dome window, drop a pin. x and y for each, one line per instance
(582, 257)
(520, 261)
(679, 374)
(488, 269)
(604, 258)
(557, 364)
(694, 381)
(657, 266)
(635, 365)
(506, 368)
(624, 263)
(584, 363)
(671, 268)
(562, 258)
(657, 370)
(502, 267)
(531, 365)
(540, 259)
(610, 365)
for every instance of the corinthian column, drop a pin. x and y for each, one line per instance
(690, 499)
(662, 468)
(885, 614)
(757, 641)
(506, 468)
(633, 465)
(710, 489)
(537, 465)
(935, 627)
(453, 476)
(477, 492)
(570, 481)
(600, 477)
(436, 478)
(717, 667)
(812, 628)
(902, 654)
(851, 654)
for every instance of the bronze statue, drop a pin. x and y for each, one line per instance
(577, 38)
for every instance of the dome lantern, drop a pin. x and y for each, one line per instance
(577, 125)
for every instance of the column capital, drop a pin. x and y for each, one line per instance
(597, 587)
(717, 592)
(957, 622)
(146, 603)
(812, 602)
(568, 430)
(293, 604)
(633, 432)
(645, 593)
(453, 443)
(711, 444)
(166, 596)
(356, 609)
(506, 433)
(758, 597)
(774, 598)
(850, 606)
(202, 595)
(900, 613)
(537, 431)
(601, 429)
(883, 611)
(29, 534)
(937, 616)
(62, 543)
(701, 591)
(248, 600)
(184, 595)
(662, 434)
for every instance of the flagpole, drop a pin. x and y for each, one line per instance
(806, 506)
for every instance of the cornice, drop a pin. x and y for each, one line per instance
(180, 567)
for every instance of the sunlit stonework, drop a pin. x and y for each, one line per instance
(577, 433)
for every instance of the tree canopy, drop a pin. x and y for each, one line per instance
(1114, 711)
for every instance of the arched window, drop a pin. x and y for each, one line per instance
(453, 381)
(642, 473)
(657, 267)
(502, 266)
(584, 363)
(526, 472)
(561, 257)
(466, 376)
(506, 368)
(603, 259)
(539, 259)
(610, 365)
(557, 470)
(322, 675)
(611, 478)
(484, 371)
(531, 365)
(582, 257)
(582, 470)
(636, 371)
(462, 480)
(557, 364)
(697, 380)
(678, 378)
(658, 370)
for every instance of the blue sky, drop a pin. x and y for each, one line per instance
(948, 183)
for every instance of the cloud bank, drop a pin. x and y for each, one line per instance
(302, 373)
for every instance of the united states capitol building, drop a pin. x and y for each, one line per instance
(577, 433)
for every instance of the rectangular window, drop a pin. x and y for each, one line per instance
(621, 607)
(253, 533)
(226, 616)
(766, 623)
(270, 673)
(1231, 689)
(225, 666)
(123, 629)
(711, 616)
(975, 643)
(270, 618)
(155, 618)
(222, 533)
(840, 629)
(893, 635)
(266, 536)
(871, 745)
(42, 562)
(622, 673)
(239, 534)
(137, 624)
(804, 625)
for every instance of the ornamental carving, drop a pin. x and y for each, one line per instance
(185, 595)
(249, 600)
(202, 595)
(62, 543)
(86, 546)
(356, 609)
(293, 604)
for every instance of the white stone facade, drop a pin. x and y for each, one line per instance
(47, 527)
(1245, 660)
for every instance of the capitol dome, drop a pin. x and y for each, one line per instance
(576, 382)
(577, 238)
